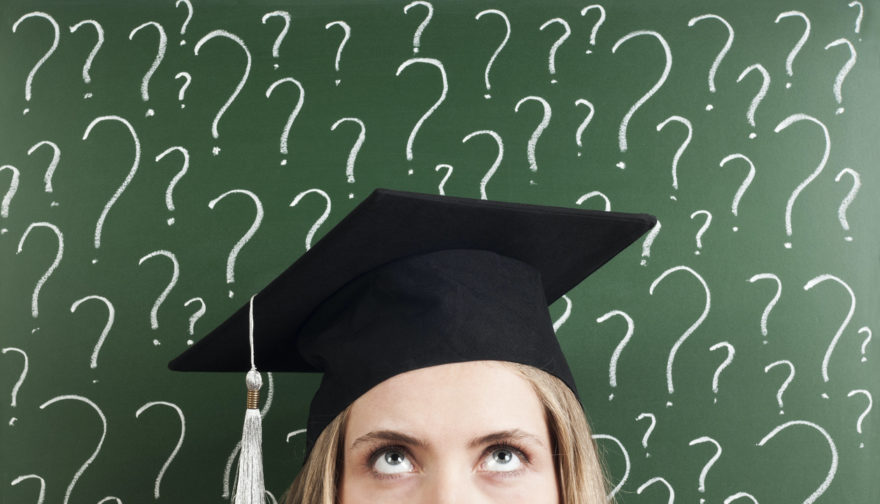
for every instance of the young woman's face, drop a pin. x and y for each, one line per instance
(465, 433)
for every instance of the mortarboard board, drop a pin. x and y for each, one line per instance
(407, 281)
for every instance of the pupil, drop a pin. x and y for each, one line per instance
(503, 456)
(393, 458)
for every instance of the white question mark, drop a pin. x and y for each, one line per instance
(595, 194)
(612, 366)
(648, 432)
(187, 79)
(498, 49)
(861, 7)
(285, 133)
(578, 136)
(189, 15)
(834, 457)
(672, 353)
(565, 314)
(620, 445)
(495, 164)
(175, 274)
(658, 479)
(865, 342)
(551, 62)
(847, 201)
(10, 193)
(111, 315)
(42, 493)
(56, 157)
(21, 377)
(103, 418)
(727, 45)
(734, 207)
(703, 228)
(263, 412)
(417, 127)
(284, 15)
(99, 32)
(864, 413)
(624, 123)
(536, 134)
(731, 352)
(681, 148)
(417, 38)
(317, 224)
(169, 200)
(789, 61)
(195, 316)
(708, 466)
(759, 97)
(128, 178)
(766, 314)
(355, 149)
(258, 219)
(852, 308)
(596, 26)
(346, 34)
(448, 169)
(785, 383)
(160, 55)
(294, 434)
(35, 310)
(850, 63)
(57, 31)
(247, 70)
(788, 121)
(649, 240)
(179, 441)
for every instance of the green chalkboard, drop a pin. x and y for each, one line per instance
(162, 162)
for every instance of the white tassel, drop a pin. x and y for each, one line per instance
(249, 486)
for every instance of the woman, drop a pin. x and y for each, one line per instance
(443, 380)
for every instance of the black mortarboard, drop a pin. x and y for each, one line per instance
(408, 281)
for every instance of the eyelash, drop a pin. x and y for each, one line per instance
(504, 445)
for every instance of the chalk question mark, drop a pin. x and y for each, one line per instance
(111, 316)
(595, 194)
(56, 158)
(759, 97)
(865, 342)
(788, 121)
(128, 178)
(169, 200)
(658, 479)
(852, 308)
(285, 16)
(624, 123)
(285, 133)
(565, 314)
(497, 49)
(648, 432)
(847, 201)
(612, 366)
(321, 219)
(255, 225)
(785, 384)
(578, 136)
(439, 65)
(99, 33)
(789, 61)
(247, 70)
(721, 54)
(175, 274)
(623, 480)
(536, 134)
(596, 26)
(551, 61)
(703, 228)
(417, 37)
(766, 313)
(57, 34)
(21, 377)
(864, 413)
(850, 63)
(189, 15)
(495, 164)
(10, 193)
(861, 14)
(731, 352)
(734, 207)
(834, 457)
(448, 169)
(710, 463)
(648, 242)
(41, 496)
(346, 34)
(179, 412)
(690, 133)
(160, 55)
(35, 297)
(195, 316)
(690, 330)
(355, 149)
(187, 79)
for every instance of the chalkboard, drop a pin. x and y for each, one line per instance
(163, 161)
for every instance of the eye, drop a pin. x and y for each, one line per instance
(503, 459)
(392, 461)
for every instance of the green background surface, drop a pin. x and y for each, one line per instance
(826, 311)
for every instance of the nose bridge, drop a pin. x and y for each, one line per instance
(451, 483)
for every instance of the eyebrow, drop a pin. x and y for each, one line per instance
(400, 437)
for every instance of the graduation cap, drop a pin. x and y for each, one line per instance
(407, 281)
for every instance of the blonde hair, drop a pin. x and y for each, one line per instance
(579, 471)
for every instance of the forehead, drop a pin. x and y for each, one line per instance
(450, 402)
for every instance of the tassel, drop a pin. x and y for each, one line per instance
(250, 487)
